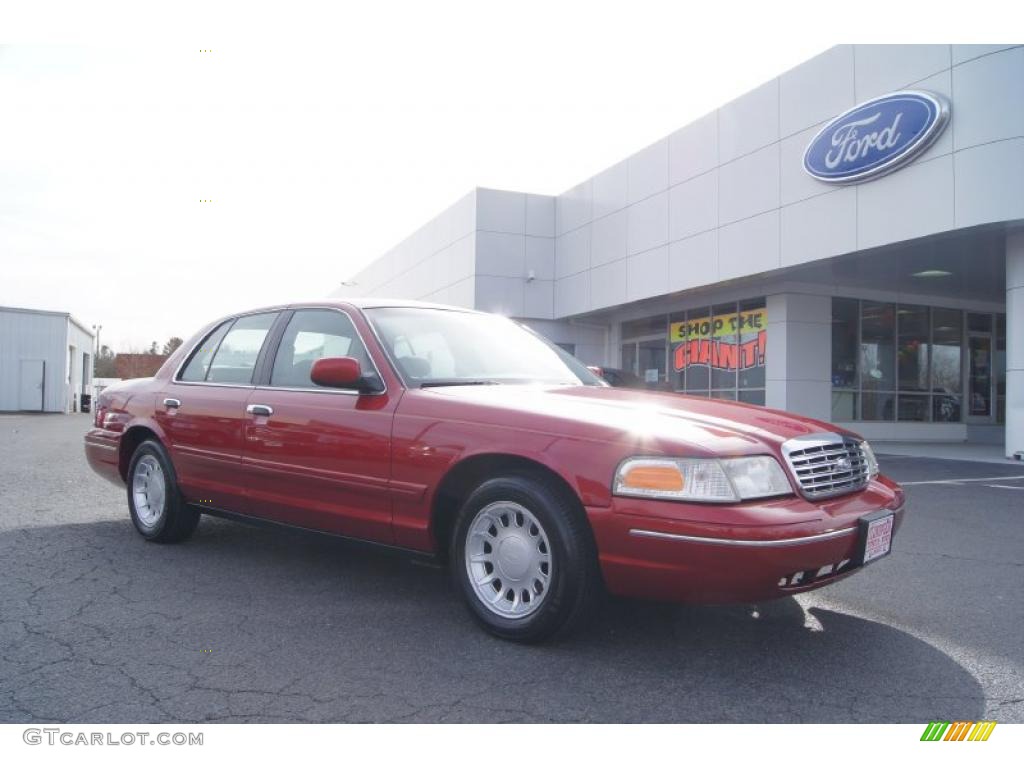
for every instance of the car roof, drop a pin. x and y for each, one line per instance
(357, 303)
(370, 303)
(376, 303)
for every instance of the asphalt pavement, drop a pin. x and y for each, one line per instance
(246, 624)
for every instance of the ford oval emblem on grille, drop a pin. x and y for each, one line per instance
(876, 137)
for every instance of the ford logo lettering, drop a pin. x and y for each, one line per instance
(876, 137)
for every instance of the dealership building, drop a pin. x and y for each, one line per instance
(846, 241)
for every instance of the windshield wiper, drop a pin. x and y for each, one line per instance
(457, 383)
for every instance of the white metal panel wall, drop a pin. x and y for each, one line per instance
(32, 336)
(83, 343)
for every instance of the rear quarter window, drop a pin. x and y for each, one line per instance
(235, 359)
(202, 356)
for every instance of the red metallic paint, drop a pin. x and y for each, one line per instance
(336, 372)
(370, 466)
(322, 460)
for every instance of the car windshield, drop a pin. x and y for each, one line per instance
(441, 347)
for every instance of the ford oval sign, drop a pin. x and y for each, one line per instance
(876, 137)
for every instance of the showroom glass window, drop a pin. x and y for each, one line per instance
(1000, 366)
(644, 350)
(912, 362)
(845, 344)
(878, 361)
(906, 362)
(753, 338)
(720, 351)
(947, 368)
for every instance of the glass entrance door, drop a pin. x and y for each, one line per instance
(647, 359)
(651, 362)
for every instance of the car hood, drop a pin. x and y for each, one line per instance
(637, 417)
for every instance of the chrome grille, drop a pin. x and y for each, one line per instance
(827, 464)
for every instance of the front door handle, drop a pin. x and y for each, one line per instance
(260, 410)
(172, 402)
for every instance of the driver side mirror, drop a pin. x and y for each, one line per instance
(342, 373)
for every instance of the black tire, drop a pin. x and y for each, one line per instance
(574, 586)
(176, 521)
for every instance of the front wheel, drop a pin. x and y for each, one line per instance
(155, 504)
(524, 559)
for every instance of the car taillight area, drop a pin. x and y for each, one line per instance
(107, 414)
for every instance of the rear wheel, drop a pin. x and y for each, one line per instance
(524, 559)
(155, 504)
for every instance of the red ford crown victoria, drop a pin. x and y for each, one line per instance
(464, 434)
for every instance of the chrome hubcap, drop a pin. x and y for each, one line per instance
(508, 559)
(149, 490)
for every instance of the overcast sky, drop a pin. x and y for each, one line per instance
(322, 147)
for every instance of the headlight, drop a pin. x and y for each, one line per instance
(755, 477)
(870, 460)
(715, 480)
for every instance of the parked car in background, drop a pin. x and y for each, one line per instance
(466, 435)
(618, 377)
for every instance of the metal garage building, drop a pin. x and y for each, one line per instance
(45, 360)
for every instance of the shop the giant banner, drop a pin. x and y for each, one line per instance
(728, 342)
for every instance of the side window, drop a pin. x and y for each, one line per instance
(235, 359)
(310, 335)
(200, 363)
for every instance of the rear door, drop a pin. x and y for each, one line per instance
(202, 411)
(318, 457)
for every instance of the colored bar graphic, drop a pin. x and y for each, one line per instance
(960, 730)
(982, 730)
(934, 730)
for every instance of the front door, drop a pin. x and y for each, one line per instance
(31, 390)
(202, 412)
(317, 457)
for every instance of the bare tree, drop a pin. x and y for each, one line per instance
(171, 344)
(105, 367)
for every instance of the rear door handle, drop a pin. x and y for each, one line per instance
(260, 410)
(172, 402)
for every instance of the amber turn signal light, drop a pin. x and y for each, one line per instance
(654, 478)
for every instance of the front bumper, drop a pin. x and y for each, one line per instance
(714, 554)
